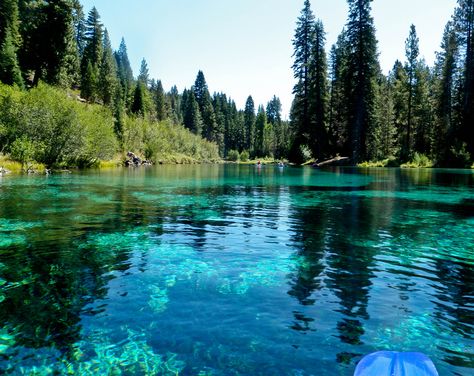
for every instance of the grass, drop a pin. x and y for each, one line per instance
(113, 163)
(10, 165)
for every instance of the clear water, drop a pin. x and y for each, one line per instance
(233, 270)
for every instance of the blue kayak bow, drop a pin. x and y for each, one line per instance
(391, 363)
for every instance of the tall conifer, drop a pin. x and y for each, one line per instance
(361, 74)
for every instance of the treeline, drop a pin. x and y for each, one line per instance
(345, 105)
(52, 41)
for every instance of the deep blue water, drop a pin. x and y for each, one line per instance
(234, 270)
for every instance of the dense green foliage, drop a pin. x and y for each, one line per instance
(53, 41)
(343, 105)
(45, 125)
(414, 112)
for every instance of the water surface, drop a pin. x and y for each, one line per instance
(234, 270)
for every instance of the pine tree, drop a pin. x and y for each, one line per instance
(201, 91)
(191, 114)
(362, 71)
(300, 110)
(260, 124)
(203, 98)
(9, 42)
(139, 100)
(382, 137)
(464, 19)
(92, 56)
(79, 25)
(411, 66)
(108, 81)
(279, 132)
(446, 68)
(89, 83)
(93, 38)
(398, 80)
(9, 70)
(160, 101)
(124, 70)
(144, 75)
(338, 110)
(318, 93)
(423, 109)
(249, 125)
(174, 101)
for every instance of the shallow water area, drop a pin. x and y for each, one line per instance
(235, 270)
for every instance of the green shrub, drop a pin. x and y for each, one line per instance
(418, 161)
(164, 142)
(244, 156)
(22, 150)
(389, 162)
(46, 125)
(233, 156)
(459, 156)
(59, 130)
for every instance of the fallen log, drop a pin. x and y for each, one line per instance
(337, 161)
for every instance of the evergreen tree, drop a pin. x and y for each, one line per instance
(411, 66)
(89, 83)
(446, 68)
(201, 91)
(92, 56)
(210, 130)
(279, 132)
(139, 99)
(174, 101)
(93, 38)
(338, 110)
(300, 111)
(143, 75)
(382, 138)
(124, 70)
(464, 18)
(9, 42)
(423, 110)
(249, 125)
(318, 93)
(191, 114)
(160, 101)
(398, 80)
(362, 71)
(108, 81)
(79, 25)
(260, 124)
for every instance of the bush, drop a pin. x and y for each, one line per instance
(244, 156)
(389, 162)
(46, 125)
(418, 161)
(22, 150)
(164, 142)
(233, 156)
(459, 156)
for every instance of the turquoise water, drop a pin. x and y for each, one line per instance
(233, 270)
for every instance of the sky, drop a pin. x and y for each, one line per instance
(244, 46)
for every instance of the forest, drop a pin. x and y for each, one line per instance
(69, 99)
